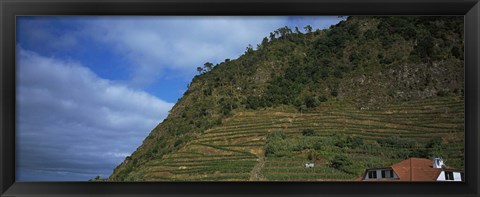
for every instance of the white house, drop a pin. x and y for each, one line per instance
(414, 169)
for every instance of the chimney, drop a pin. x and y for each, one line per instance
(437, 162)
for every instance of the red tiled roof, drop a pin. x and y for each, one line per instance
(413, 169)
(416, 169)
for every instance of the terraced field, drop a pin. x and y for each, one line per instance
(235, 151)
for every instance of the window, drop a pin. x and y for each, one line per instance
(449, 176)
(462, 175)
(387, 173)
(372, 174)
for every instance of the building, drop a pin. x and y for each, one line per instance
(414, 169)
(309, 165)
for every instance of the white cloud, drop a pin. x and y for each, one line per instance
(156, 46)
(68, 118)
(179, 44)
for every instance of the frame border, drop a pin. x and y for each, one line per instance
(9, 9)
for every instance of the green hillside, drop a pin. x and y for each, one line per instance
(367, 92)
(236, 150)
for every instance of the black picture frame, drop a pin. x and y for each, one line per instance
(10, 8)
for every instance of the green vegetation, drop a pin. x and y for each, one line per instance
(98, 179)
(274, 144)
(367, 92)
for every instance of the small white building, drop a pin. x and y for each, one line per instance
(309, 165)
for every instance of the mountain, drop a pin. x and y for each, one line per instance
(367, 92)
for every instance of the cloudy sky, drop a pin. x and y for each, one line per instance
(90, 89)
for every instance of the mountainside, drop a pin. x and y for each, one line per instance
(364, 93)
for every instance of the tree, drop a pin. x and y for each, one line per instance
(272, 36)
(208, 66)
(284, 31)
(264, 42)
(249, 49)
(297, 31)
(424, 49)
(277, 33)
(200, 70)
(308, 29)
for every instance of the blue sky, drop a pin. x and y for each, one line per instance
(90, 89)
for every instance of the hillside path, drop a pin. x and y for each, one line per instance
(255, 174)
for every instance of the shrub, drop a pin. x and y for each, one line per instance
(401, 153)
(308, 132)
(178, 142)
(334, 92)
(420, 152)
(274, 135)
(397, 142)
(226, 111)
(277, 144)
(443, 93)
(278, 148)
(432, 148)
(354, 142)
(434, 142)
(312, 102)
(317, 145)
(312, 155)
(341, 162)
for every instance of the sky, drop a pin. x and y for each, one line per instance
(90, 89)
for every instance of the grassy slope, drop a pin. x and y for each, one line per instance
(235, 150)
